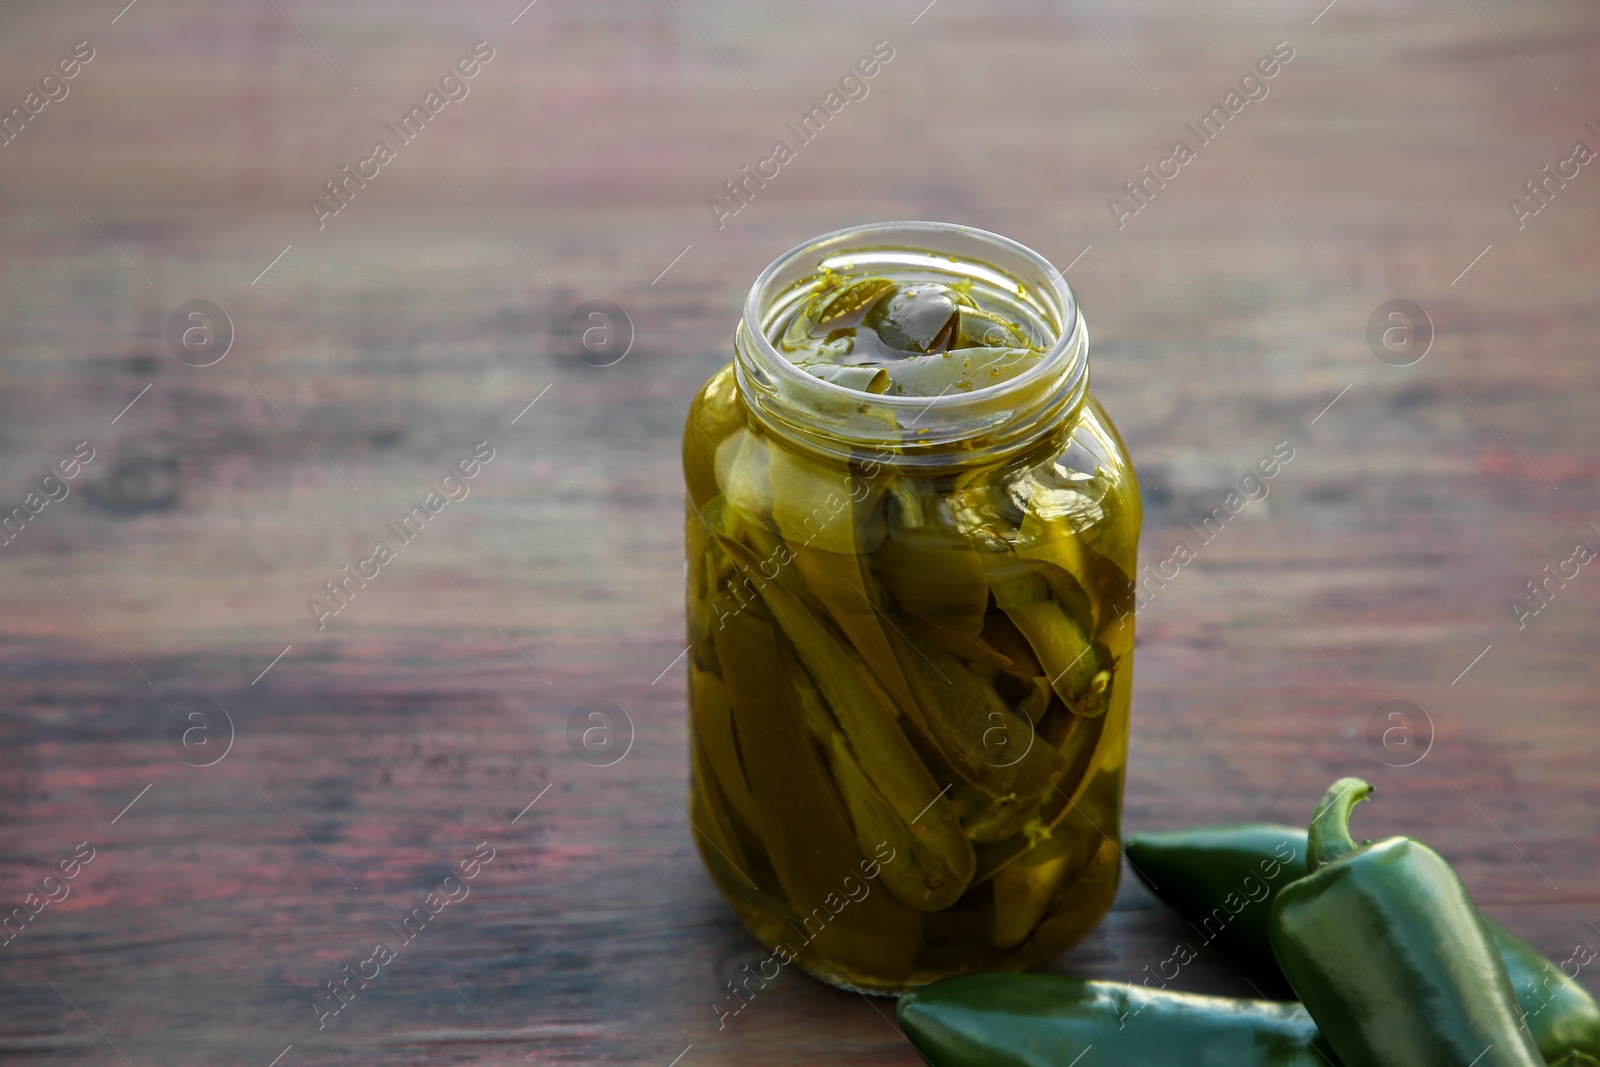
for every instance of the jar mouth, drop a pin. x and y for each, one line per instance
(842, 421)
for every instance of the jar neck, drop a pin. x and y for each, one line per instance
(953, 430)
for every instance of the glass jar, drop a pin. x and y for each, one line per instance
(910, 634)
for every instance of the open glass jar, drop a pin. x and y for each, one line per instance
(910, 626)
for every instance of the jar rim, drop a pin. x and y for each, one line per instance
(1059, 378)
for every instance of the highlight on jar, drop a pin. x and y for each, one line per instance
(910, 535)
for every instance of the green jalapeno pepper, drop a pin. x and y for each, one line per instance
(1562, 1016)
(1223, 880)
(1041, 1020)
(1384, 947)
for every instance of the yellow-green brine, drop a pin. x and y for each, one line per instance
(911, 534)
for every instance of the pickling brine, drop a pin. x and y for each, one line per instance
(911, 534)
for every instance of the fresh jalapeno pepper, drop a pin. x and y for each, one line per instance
(1223, 879)
(1042, 1020)
(1387, 952)
(1562, 1016)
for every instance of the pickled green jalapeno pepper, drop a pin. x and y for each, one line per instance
(910, 535)
(1223, 879)
(905, 338)
(1385, 949)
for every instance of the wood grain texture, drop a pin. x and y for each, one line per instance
(377, 752)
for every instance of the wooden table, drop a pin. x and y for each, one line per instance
(165, 597)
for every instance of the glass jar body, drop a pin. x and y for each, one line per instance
(908, 690)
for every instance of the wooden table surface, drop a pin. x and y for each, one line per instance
(159, 612)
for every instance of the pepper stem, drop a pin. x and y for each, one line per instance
(1330, 826)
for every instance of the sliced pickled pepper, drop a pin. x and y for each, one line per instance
(1069, 593)
(841, 583)
(713, 827)
(930, 337)
(1036, 703)
(910, 503)
(715, 413)
(977, 328)
(921, 878)
(863, 379)
(867, 716)
(835, 302)
(727, 590)
(820, 723)
(1079, 748)
(701, 619)
(1005, 818)
(815, 511)
(959, 370)
(772, 559)
(974, 650)
(713, 722)
(1025, 890)
(1021, 898)
(1000, 633)
(993, 748)
(813, 504)
(852, 298)
(916, 318)
(932, 577)
(807, 831)
(742, 462)
(1070, 660)
(1108, 589)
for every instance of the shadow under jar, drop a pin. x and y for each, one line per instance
(910, 535)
